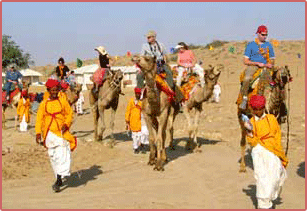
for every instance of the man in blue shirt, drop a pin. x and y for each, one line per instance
(12, 78)
(255, 57)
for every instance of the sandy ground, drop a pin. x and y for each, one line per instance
(116, 178)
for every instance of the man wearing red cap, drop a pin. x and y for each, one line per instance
(134, 121)
(258, 54)
(269, 159)
(54, 118)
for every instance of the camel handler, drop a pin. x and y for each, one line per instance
(258, 54)
(269, 160)
(23, 111)
(133, 119)
(54, 118)
(62, 92)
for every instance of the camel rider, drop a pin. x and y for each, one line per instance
(61, 70)
(13, 77)
(258, 54)
(187, 59)
(155, 49)
(103, 70)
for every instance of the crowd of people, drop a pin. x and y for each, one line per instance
(55, 115)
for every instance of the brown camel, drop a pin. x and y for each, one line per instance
(73, 94)
(195, 102)
(107, 98)
(275, 102)
(156, 108)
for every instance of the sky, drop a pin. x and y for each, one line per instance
(50, 30)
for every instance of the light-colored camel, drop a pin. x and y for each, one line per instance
(73, 93)
(156, 108)
(275, 103)
(195, 102)
(13, 104)
(107, 98)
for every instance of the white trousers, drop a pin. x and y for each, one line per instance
(140, 137)
(23, 124)
(59, 154)
(197, 69)
(79, 107)
(270, 175)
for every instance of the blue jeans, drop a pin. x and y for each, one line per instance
(7, 88)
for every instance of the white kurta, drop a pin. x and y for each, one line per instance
(23, 124)
(217, 93)
(59, 153)
(269, 174)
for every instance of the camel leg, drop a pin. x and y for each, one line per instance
(161, 139)
(113, 111)
(96, 118)
(186, 113)
(243, 145)
(3, 119)
(102, 125)
(152, 134)
(197, 114)
(170, 129)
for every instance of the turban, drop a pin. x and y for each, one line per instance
(64, 85)
(137, 90)
(261, 29)
(24, 93)
(257, 102)
(52, 83)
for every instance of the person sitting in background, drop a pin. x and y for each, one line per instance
(186, 59)
(23, 111)
(269, 159)
(61, 70)
(13, 77)
(72, 79)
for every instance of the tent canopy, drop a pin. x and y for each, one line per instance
(29, 72)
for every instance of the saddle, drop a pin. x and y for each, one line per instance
(255, 86)
(189, 87)
(12, 94)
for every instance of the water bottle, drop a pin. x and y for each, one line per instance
(247, 123)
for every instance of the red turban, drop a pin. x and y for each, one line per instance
(261, 29)
(257, 102)
(137, 90)
(24, 93)
(52, 83)
(64, 85)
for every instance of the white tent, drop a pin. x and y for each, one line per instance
(83, 74)
(30, 75)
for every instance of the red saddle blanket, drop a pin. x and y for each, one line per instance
(13, 93)
(98, 76)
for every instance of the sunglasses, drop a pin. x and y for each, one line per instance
(264, 35)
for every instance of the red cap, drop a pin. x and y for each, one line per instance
(261, 29)
(64, 85)
(137, 90)
(257, 102)
(52, 83)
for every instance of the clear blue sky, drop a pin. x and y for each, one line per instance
(72, 30)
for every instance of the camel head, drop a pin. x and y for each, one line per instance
(212, 74)
(115, 78)
(282, 76)
(147, 64)
(73, 93)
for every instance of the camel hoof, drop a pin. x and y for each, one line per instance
(158, 168)
(242, 170)
(172, 148)
(151, 163)
(197, 151)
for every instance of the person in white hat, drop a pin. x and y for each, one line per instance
(104, 65)
(186, 59)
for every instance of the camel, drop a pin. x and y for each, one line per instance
(107, 98)
(195, 102)
(156, 108)
(275, 102)
(73, 94)
(13, 104)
